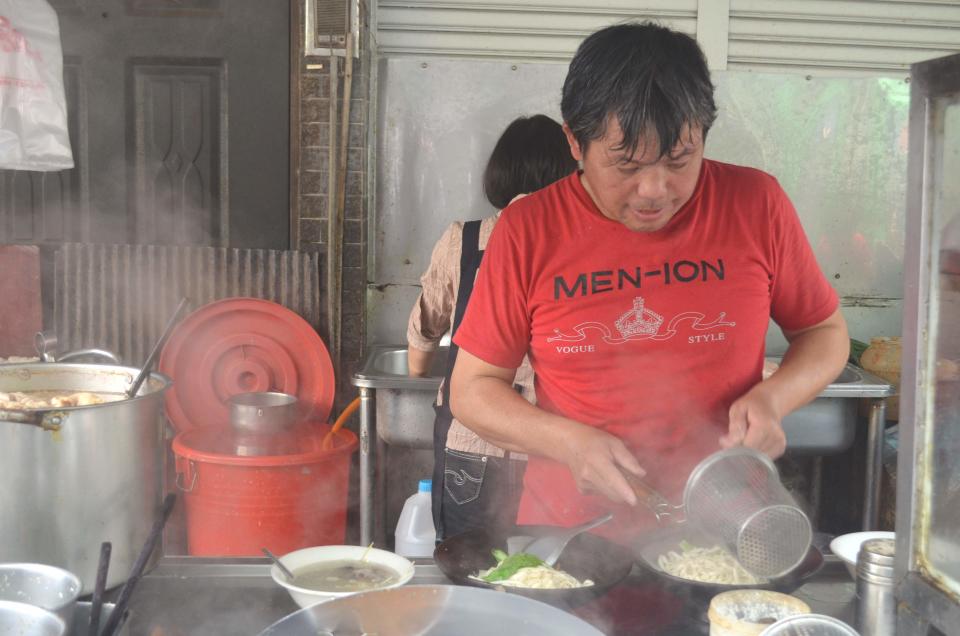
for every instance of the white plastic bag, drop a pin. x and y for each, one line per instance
(33, 109)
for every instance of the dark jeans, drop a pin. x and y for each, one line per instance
(476, 491)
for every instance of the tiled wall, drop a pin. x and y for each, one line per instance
(314, 162)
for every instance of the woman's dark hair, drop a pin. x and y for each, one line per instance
(651, 78)
(531, 154)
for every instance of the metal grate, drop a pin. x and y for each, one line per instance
(118, 297)
(330, 22)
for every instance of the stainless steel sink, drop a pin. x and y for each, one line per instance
(404, 405)
(828, 424)
(386, 368)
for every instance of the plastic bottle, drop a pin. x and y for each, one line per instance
(415, 535)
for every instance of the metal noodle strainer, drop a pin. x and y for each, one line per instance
(736, 497)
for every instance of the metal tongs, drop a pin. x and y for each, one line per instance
(659, 505)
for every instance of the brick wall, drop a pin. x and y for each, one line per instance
(314, 159)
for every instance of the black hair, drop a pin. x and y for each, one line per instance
(651, 78)
(531, 154)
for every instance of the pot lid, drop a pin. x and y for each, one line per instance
(240, 345)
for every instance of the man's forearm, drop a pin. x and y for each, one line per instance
(813, 360)
(492, 409)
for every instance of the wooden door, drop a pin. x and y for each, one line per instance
(179, 124)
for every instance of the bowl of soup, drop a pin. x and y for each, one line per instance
(333, 571)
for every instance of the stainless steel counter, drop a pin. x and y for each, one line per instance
(184, 596)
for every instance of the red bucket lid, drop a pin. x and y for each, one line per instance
(239, 345)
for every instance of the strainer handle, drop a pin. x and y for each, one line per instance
(652, 499)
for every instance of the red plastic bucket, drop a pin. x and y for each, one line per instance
(237, 505)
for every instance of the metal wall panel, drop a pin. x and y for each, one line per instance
(516, 30)
(832, 37)
(838, 147)
(119, 297)
(841, 36)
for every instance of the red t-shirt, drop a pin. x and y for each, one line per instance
(649, 336)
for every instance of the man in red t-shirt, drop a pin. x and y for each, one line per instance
(641, 288)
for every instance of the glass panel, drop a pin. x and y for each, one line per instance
(942, 505)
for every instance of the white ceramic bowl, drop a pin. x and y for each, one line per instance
(847, 547)
(320, 554)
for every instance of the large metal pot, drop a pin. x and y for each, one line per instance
(74, 477)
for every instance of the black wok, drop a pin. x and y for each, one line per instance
(657, 544)
(587, 556)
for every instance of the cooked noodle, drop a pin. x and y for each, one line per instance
(707, 565)
(541, 577)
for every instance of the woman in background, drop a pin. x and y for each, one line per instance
(476, 484)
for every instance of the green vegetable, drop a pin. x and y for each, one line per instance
(856, 350)
(686, 546)
(507, 565)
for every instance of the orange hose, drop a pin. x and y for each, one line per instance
(344, 416)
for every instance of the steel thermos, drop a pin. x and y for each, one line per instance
(876, 605)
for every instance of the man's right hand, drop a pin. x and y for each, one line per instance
(598, 461)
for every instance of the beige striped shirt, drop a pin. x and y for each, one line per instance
(432, 317)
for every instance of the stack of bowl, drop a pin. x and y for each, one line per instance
(36, 599)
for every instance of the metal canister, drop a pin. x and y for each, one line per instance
(876, 605)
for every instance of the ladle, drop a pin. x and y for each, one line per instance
(148, 364)
(550, 547)
(287, 573)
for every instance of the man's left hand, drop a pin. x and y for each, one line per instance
(755, 423)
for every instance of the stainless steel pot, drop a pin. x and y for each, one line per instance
(262, 413)
(74, 477)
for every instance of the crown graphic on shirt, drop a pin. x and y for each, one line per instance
(639, 321)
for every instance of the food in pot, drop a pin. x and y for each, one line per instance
(53, 399)
(706, 565)
(526, 570)
(347, 575)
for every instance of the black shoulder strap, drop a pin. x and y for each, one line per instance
(470, 258)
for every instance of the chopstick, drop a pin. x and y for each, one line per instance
(102, 567)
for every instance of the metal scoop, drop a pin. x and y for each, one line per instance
(549, 547)
(148, 364)
(286, 571)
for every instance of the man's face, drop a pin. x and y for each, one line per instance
(643, 192)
